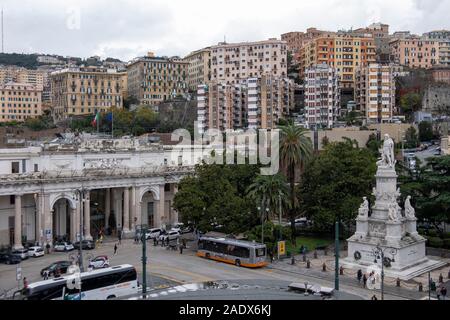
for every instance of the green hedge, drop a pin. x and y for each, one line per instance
(447, 243)
(446, 235)
(432, 233)
(435, 242)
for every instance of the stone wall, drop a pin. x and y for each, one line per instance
(436, 99)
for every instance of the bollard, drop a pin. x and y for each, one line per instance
(315, 254)
(420, 287)
(324, 267)
(341, 271)
(308, 264)
(304, 258)
(441, 278)
(293, 260)
(398, 282)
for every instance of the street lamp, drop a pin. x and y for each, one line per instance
(379, 254)
(144, 258)
(81, 198)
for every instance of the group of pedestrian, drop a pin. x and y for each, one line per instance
(441, 292)
(363, 277)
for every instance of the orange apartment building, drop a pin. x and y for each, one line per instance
(20, 101)
(415, 52)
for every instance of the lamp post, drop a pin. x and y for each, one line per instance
(144, 261)
(81, 199)
(380, 254)
(336, 255)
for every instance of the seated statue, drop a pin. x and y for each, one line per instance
(364, 209)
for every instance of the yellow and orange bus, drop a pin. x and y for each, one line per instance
(240, 253)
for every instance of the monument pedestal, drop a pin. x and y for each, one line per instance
(389, 230)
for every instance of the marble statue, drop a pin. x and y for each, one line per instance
(393, 212)
(409, 210)
(387, 153)
(364, 209)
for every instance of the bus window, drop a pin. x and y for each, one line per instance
(261, 252)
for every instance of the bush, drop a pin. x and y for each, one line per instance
(446, 235)
(447, 243)
(435, 242)
(432, 233)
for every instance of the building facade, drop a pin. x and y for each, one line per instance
(380, 33)
(296, 40)
(255, 103)
(322, 96)
(20, 101)
(85, 90)
(375, 93)
(415, 52)
(441, 74)
(115, 184)
(199, 69)
(233, 62)
(153, 80)
(344, 52)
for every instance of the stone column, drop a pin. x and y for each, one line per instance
(160, 217)
(73, 224)
(133, 208)
(77, 220)
(175, 212)
(18, 223)
(126, 209)
(87, 217)
(47, 219)
(107, 207)
(38, 203)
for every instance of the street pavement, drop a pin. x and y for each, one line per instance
(167, 268)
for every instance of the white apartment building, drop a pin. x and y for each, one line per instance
(375, 92)
(254, 103)
(322, 96)
(233, 62)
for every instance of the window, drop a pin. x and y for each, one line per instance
(15, 167)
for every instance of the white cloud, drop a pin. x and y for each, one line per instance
(126, 29)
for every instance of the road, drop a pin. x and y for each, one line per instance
(423, 155)
(169, 268)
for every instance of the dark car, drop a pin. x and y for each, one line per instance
(86, 245)
(9, 258)
(61, 265)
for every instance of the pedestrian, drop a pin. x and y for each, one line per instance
(115, 248)
(374, 297)
(120, 236)
(438, 293)
(184, 243)
(443, 292)
(46, 275)
(365, 280)
(25, 283)
(360, 274)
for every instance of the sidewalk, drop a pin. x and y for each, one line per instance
(408, 289)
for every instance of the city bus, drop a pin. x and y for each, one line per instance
(240, 253)
(102, 284)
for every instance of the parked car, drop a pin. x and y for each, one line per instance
(153, 233)
(22, 253)
(9, 258)
(86, 245)
(63, 246)
(61, 265)
(171, 235)
(35, 252)
(99, 262)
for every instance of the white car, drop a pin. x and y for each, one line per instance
(171, 235)
(35, 252)
(99, 263)
(22, 253)
(64, 246)
(153, 233)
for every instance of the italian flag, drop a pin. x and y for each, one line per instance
(96, 119)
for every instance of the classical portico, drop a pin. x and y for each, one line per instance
(65, 192)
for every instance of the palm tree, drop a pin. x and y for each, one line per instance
(269, 192)
(295, 150)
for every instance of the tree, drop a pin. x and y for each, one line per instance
(410, 103)
(145, 120)
(430, 191)
(374, 145)
(335, 182)
(270, 192)
(295, 150)
(412, 140)
(425, 131)
(215, 196)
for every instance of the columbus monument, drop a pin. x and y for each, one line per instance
(389, 227)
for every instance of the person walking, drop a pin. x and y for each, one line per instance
(365, 280)
(115, 248)
(120, 237)
(46, 275)
(438, 293)
(359, 276)
(374, 298)
(443, 292)
(25, 283)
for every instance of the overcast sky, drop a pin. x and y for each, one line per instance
(126, 29)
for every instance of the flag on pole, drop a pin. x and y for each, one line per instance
(96, 120)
